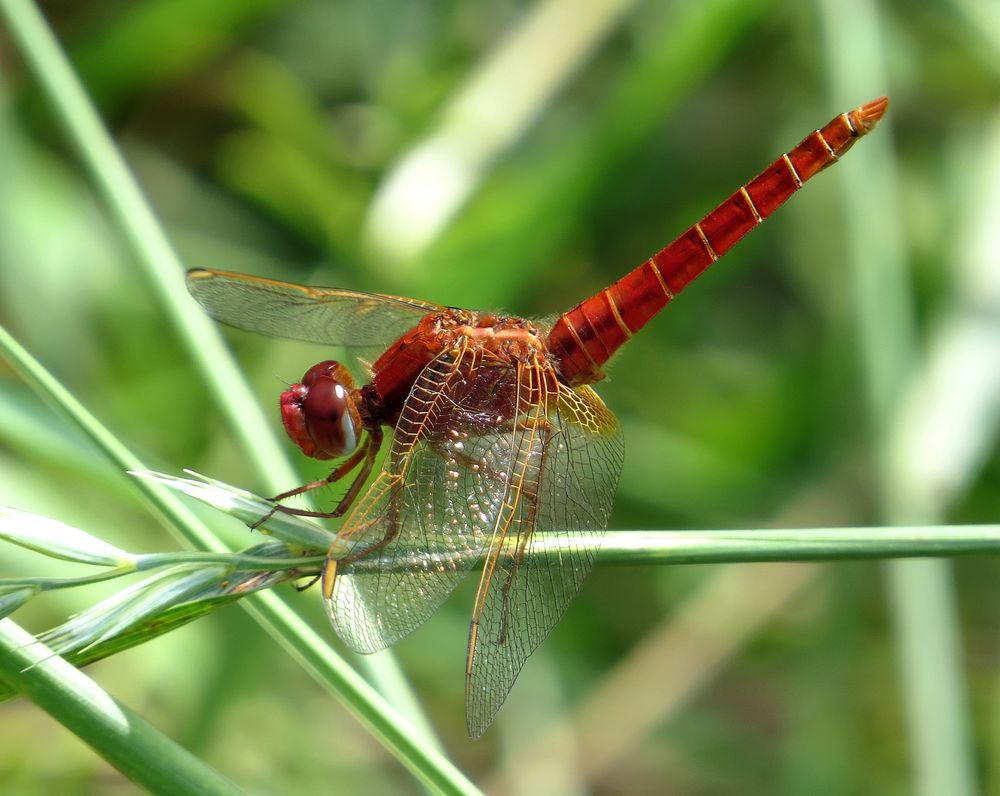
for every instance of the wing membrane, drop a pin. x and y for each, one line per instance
(484, 453)
(331, 316)
(433, 505)
(571, 470)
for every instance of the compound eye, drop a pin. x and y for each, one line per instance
(328, 369)
(320, 414)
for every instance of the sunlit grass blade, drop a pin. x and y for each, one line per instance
(398, 734)
(13, 597)
(58, 540)
(922, 593)
(498, 100)
(163, 268)
(121, 737)
(246, 507)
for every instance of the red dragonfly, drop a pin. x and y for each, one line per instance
(495, 432)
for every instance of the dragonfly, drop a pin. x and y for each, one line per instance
(494, 443)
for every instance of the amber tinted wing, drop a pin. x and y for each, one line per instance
(569, 449)
(434, 503)
(315, 314)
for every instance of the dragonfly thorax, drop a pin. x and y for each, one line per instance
(505, 337)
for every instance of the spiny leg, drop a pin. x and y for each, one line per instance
(335, 475)
(371, 451)
(329, 574)
(365, 456)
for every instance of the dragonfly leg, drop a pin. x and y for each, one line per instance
(363, 456)
(335, 475)
(371, 449)
(329, 574)
(309, 585)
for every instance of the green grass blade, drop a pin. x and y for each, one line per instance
(148, 241)
(396, 733)
(121, 737)
(381, 718)
(652, 548)
(657, 546)
(922, 592)
(175, 513)
(165, 272)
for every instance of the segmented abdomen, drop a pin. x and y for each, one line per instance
(584, 338)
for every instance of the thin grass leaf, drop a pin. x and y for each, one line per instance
(175, 512)
(145, 601)
(13, 598)
(130, 606)
(414, 749)
(497, 102)
(246, 507)
(202, 338)
(58, 540)
(121, 737)
(922, 593)
(652, 548)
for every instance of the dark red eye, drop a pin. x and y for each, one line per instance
(320, 414)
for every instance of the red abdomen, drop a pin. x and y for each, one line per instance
(584, 338)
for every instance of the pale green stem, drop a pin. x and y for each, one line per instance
(165, 272)
(126, 741)
(922, 593)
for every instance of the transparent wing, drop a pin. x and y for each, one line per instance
(570, 453)
(345, 318)
(425, 519)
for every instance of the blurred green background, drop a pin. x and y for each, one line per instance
(520, 156)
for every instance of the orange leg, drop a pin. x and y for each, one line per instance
(329, 574)
(363, 456)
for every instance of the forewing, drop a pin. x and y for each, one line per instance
(572, 466)
(433, 504)
(330, 316)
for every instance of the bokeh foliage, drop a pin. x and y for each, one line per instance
(264, 134)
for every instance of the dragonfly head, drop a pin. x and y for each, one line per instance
(320, 413)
